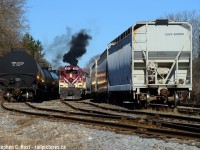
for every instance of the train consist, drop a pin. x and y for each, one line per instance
(74, 83)
(149, 62)
(22, 78)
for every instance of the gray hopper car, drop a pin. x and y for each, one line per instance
(150, 61)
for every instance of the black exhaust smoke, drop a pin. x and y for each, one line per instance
(78, 45)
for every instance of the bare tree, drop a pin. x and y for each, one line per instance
(193, 17)
(90, 63)
(12, 24)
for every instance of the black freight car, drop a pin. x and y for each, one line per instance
(22, 78)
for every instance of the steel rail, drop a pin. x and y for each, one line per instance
(169, 124)
(134, 128)
(181, 108)
(178, 126)
(82, 114)
(85, 110)
(181, 117)
(163, 123)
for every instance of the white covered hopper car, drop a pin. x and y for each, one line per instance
(150, 61)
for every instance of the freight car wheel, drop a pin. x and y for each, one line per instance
(8, 96)
(145, 103)
(148, 98)
(10, 99)
(142, 104)
(176, 99)
(175, 102)
(107, 100)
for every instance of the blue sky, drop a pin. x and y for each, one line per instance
(103, 20)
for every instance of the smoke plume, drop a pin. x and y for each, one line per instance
(58, 47)
(77, 48)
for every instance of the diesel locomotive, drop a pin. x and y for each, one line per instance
(74, 83)
(23, 79)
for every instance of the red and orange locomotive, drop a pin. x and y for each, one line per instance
(73, 82)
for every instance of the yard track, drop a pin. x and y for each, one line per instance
(114, 122)
(147, 113)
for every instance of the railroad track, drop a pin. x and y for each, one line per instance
(183, 109)
(165, 123)
(112, 121)
(194, 119)
(190, 109)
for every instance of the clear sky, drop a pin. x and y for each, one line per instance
(54, 21)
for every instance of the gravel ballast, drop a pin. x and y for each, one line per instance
(29, 132)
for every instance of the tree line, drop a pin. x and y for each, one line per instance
(14, 30)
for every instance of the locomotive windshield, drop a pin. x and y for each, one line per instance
(72, 71)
